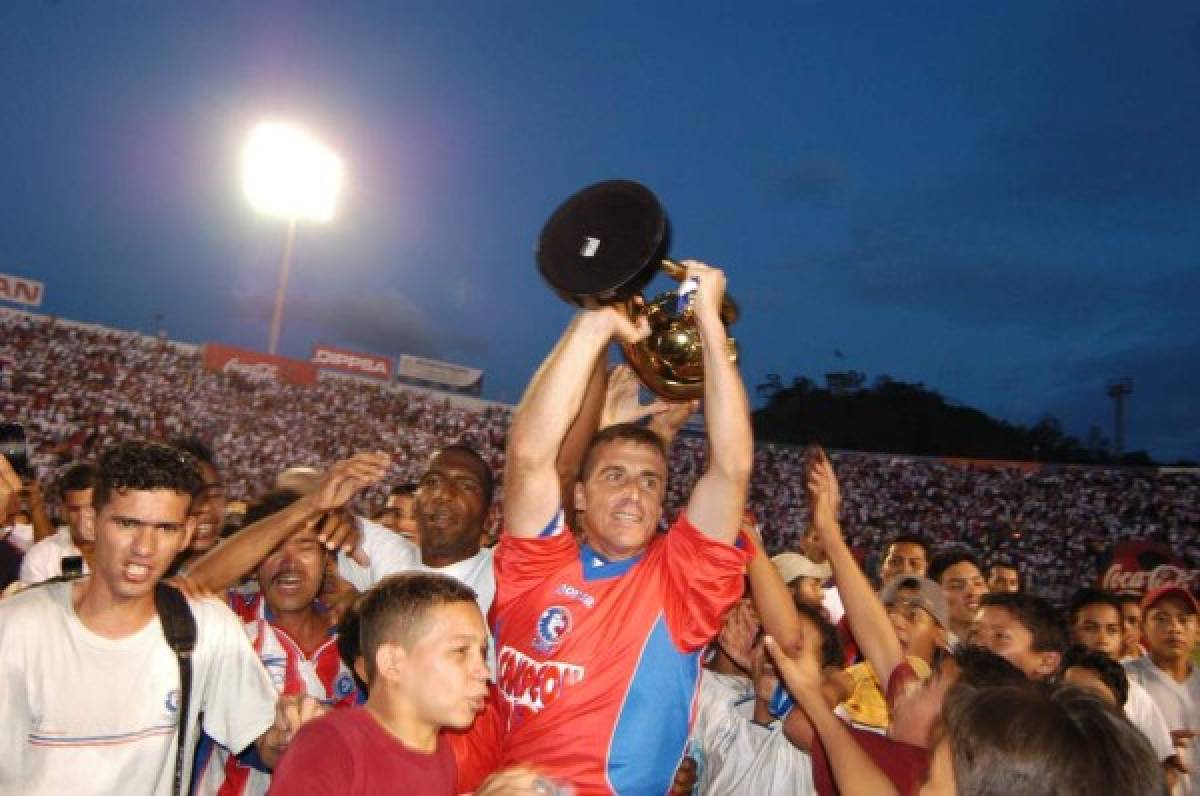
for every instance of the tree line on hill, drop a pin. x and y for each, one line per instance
(891, 416)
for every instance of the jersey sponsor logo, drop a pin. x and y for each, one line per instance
(531, 684)
(575, 593)
(552, 626)
(171, 703)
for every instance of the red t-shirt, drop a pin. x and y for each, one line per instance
(905, 765)
(348, 751)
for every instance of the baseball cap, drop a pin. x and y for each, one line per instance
(929, 596)
(1158, 595)
(794, 565)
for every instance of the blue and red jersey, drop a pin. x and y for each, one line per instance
(598, 661)
(321, 675)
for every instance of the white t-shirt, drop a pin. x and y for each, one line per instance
(86, 714)
(736, 755)
(44, 560)
(1179, 704)
(390, 553)
(1145, 715)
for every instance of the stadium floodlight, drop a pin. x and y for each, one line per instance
(288, 173)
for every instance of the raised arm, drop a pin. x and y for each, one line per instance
(772, 599)
(854, 771)
(719, 497)
(867, 617)
(230, 561)
(550, 405)
(42, 527)
(587, 420)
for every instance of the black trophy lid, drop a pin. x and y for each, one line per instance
(601, 240)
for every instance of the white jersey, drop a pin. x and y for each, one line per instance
(737, 756)
(390, 553)
(44, 560)
(1145, 715)
(1180, 707)
(86, 714)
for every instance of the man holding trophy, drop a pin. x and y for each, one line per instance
(599, 641)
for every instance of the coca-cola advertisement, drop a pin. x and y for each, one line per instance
(258, 366)
(369, 365)
(1138, 567)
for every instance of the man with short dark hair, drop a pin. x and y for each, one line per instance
(957, 571)
(86, 673)
(293, 633)
(1171, 626)
(45, 559)
(906, 554)
(1094, 621)
(208, 507)
(1003, 576)
(599, 642)
(1131, 626)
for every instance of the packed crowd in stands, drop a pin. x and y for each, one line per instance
(79, 389)
(361, 629)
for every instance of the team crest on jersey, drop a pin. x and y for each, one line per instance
(552, 626)
(344, 686)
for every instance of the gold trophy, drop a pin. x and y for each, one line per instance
(604, 245)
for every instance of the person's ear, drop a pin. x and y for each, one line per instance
(390, 661)
(580, 499)
(87, 524)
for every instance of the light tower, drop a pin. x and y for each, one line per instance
(1118, 389)
(289, 174)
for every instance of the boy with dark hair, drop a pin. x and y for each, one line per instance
(424, 648)
(1095, 672)
(958, 572)
(1094, 620)
(87, 673)
(1026, 630)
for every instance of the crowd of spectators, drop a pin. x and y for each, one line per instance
(80, 388)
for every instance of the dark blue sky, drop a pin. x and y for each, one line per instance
(1001, 200)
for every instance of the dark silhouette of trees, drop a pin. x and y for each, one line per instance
(892, 416)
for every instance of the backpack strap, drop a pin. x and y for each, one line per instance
(179, 628)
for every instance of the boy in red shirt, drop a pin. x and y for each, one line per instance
(424, 646)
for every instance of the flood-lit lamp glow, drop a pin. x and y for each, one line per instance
(287, 172)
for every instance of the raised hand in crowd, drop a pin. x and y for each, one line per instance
(621, 401)
(232, 560)
(10, 489)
